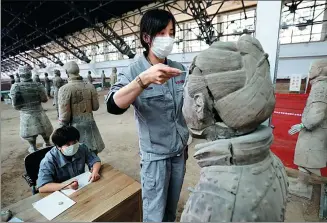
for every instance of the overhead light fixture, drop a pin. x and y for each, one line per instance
(284, 25)
(304, 23)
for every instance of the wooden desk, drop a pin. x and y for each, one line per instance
(115, 197)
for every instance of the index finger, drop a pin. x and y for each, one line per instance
(171, 70)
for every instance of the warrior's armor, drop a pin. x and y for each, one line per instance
(77, 100)
(27, 97)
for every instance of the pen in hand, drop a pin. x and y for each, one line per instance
(74, 184)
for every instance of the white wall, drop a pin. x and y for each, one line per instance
(294, 59)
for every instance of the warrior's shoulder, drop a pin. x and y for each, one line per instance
(66, 88)
(318, 92)
(15, 87)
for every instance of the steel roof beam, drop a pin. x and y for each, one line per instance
(19, 44)
(14, 26)
(54, 59)
(63, 42)
(113, 38)
(202, 18)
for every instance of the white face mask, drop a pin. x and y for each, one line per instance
(162, 46)
(71, 150)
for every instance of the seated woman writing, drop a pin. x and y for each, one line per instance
(66, 160)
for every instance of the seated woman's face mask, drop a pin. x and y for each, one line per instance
(70, 150)
(162, 46)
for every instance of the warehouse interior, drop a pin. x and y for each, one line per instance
(100, 35)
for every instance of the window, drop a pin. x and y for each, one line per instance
(179, 44)
(233, 24)
(192, 40)
(305, 24)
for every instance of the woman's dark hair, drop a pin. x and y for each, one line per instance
(64, 135)
(46, 74)
(153, 22)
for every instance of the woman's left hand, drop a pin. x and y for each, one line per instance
(94, 177)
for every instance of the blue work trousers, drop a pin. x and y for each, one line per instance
(162, 182)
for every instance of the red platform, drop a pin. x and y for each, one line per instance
(288, 112)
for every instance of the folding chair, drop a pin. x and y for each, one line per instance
(32, 166)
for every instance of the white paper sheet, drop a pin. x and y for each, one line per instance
(53, 205)
(83, 180)
(14, 219)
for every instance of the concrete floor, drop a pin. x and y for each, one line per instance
(120, 136)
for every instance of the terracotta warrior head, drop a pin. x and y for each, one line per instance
(25, 72)
(57, 73)
(228, 91)
(318, 69)
(72, 69)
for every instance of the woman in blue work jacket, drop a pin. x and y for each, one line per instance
(153, 84)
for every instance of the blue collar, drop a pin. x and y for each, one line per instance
(147, 63)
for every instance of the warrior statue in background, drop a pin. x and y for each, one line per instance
(103, 79)
(12, 79)
(113, 76)
(89, 77)
(311, 146)
(58, 82)
(76, 101)
(228, 94)
(27, 97)
(36, 78)
(17, 78)
(47, 84)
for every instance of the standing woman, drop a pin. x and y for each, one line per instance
(153, 84)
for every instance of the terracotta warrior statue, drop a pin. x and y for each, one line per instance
(311, 146)
(77, 100)
(17, 78)
(12, 79)
(27, 97)
(89, 77)
(36, 78)
(228, 94)
(103, 79)
(47, 84)
(113, 76)
(58, 82)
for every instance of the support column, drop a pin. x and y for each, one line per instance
(267, 31)
(324, 26)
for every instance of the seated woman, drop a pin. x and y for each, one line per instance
(66, 160)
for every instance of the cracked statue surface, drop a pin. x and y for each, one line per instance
(77, 100)
(311, 147)
(27, 97)
(228, 94)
